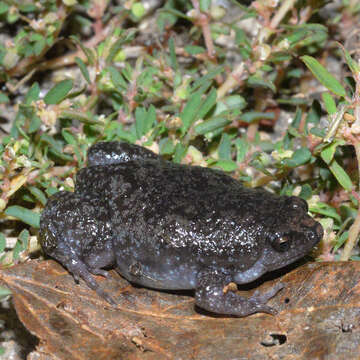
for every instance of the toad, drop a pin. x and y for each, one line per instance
(170, 226)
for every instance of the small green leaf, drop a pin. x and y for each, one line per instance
(125, 135)
(211, 125)
(301, 156)
(2, 242)
(323, 75)
(341, 240)
(318, 132)
(144, 120)
(150, 119)
(206, 78)
(279, 57)
(125, 37)
(167, 147)
(138, 10)
(179, 153)
(56, 145)
(3, 7)
(21, 244)
(340, 174)
(140, 116)
(4, 292)
(242, 148)
(25, 215)
(252, 116)
(28, 8)
(173, 59)
(306, 192)
(207, 104)
(3, 98)
(12, 17)
(233, 102)
(69, 138)
(194, 49)
(224, 149)
(58, 93)
(188, 115)
(295, 73)
(166, 17)
(18, 248)
(243, 42)
(256, 81)
(205, 5)
(70, 2)
(89, 53)
(39, 45)
(226, 165)
(314, 114)
(83, 69)
(325, 209)
(327, 154)
(24, 237)
(293, 101)
(353, 66)
(51, 191)
(329, 103)
(117, 79)
(32, 94)
(34, 125)
(38, 194)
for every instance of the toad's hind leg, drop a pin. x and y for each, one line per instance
(211, 295)
(74, 231)
(103, 256)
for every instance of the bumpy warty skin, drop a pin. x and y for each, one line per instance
(171, 226)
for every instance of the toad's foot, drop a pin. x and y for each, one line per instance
(80, 270)
(259, 300)
(210, 295)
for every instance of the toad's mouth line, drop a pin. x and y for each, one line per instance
(290, 260)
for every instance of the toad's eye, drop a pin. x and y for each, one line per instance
(297, 203)
(281, 243)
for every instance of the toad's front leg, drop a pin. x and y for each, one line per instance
(79, 269)
(211, 295)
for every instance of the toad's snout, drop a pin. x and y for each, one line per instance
(316, 231)
(319, 230)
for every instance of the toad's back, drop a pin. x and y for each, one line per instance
(192, 215)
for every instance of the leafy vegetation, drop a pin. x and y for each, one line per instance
(247, 89)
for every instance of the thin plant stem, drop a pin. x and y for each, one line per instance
(353, 232)
(284, 8)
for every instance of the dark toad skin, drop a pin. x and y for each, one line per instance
(169, 226)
